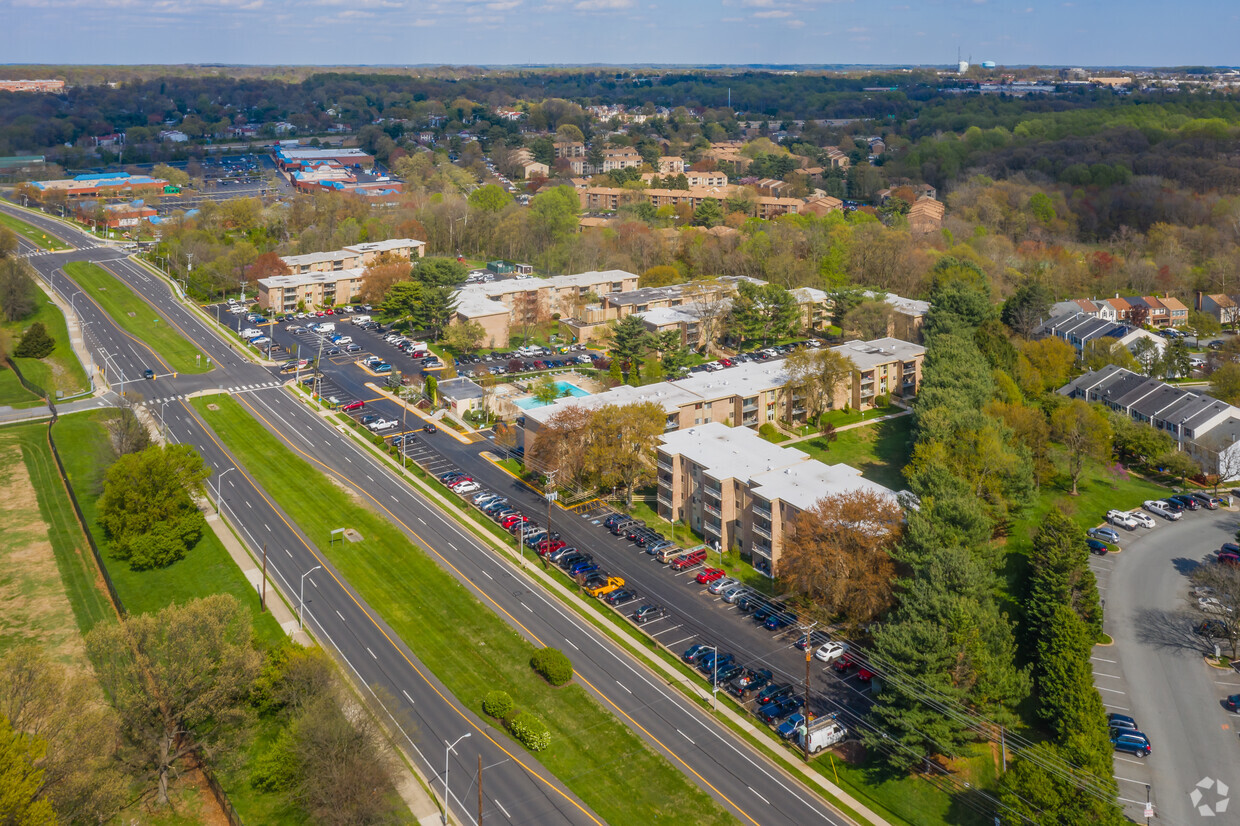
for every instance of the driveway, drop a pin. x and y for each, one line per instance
(1155, 672)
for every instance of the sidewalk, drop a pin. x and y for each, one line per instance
(853, 426)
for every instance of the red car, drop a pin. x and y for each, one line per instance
(709, 575)
(726, 362)
(550, 546)
(1229, 558)
(358, 405)
(329, 311)
(511, 519)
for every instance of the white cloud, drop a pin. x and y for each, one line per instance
(603, 5)
(504, 5)
(795, 24)
(774, 14)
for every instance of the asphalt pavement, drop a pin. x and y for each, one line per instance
(1155, 671)
(521, 790)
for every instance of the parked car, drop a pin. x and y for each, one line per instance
(734, 593)
(1123, 519)
(708, 575)
(611, 583)
(1210, 628)
(1105, 534)
(695, 652)
(620, 597)
(720, 585)
(715, 660)
(1122, 721)
(771, 712)
(1159, 508)
(748, 682)
(1232, 702)
(1144, 520)
(351, 406)
(774, 692)
(1212, 605)
(1097, 546)
(1205, 500)
(830, 651)
(688, 560)
(1131, 742)
(1188, 502)
(788, 728)
(648, 613)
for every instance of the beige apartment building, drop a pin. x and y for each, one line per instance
(501, 305)
(740, 491)
(284, 293)
(357, 256)
(884, 366)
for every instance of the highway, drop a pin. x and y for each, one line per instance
(521, 790)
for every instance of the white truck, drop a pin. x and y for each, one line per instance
(822, 733)
(325, 327)
(361, 319)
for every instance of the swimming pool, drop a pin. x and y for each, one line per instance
(564, 388)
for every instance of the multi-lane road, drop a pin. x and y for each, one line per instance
(518, 788)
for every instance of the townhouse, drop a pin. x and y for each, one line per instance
(1080, 328)
(739, 491)
(1222, 307)
(1201, 425)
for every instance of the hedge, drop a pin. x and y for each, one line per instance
(530, 731)
(553, 665)
(497, 704)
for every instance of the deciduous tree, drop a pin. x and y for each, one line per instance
(838, 558)
(1085, 432)
(17, 289)
(464, 336)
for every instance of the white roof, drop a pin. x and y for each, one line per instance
(661, 316)
(869, 354)
(745, 379)
(386, 246)
(908, 306)
(728, 452)
(519, 285)
(664, 394)
(316, 257)
(803, 484)
(472, 304)
(302, 278)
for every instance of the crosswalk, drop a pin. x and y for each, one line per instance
(234, 390)
(37, 253)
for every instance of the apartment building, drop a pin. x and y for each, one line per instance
(740, 491)
(285, 293)
(884, 367)
(498, 305)
(671, 165)
(694, 179)
(569, 149)
(357, 256)
(623, 158)
(1201, 425)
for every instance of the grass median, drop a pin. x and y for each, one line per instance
(36, 236)
(60, 370)
(138, 318)
(467, 646)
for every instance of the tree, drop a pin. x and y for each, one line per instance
(1179, 464)
(621, 450)
(43, 699)
(1052, 360)
(177, 678)
(708, 214)
(266, 265)
(1225, 383)
(1085, 433)
(553, 215)
(17, 289)
(35, 343)
(174, 176)
(1137, 441)
(464, 336)
(868, 320)
(129, 435)
(673, 353)
(8, 242)
(1100, 352)
(837, 556)
(818, 375)
(1028, 307)
(1067, 699)
(763, 312)
(379, 278)
(628, 341)
(440, 272)
(560, 445)
(147, 507)
(1223, 580)
(20, 780)
(660, 276)
(1136, 315)
(1203, 324)
(489, 198)
(1060, 576)
(568, 132)
(544, 389)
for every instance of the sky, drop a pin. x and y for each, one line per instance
(406, 32)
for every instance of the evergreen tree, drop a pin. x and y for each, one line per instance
(629, 341)
(35, 343)
(1060, 575)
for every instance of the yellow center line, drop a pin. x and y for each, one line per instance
(378, 627)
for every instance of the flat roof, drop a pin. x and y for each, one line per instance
(869, 354)
(666, 395)
(804, 483)
(745, 379)
(473, 304)
(300, 279)
(660, 316)
(460, 388)
(728, 452)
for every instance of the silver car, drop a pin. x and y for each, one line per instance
(721, 585)
(735, 592)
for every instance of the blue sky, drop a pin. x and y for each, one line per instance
(1076, 32)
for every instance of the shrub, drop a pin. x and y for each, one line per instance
(768, 431)
(553, 665)
(35, 343)
(882, 402)
(497, 704)
(530, 731)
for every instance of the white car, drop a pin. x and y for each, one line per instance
(1211, 605)
(1159, 508)
(466, 487)
(1143, 519)
(831, 651)
(1123, 519)
(344, 340)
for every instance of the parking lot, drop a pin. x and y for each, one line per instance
(1155, 670)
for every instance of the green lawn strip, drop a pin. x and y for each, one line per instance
(13, 393)
(887, 797)
(78, 572)
(31, 233)
(138, 318)
(467, 646)
(60, 370)
(880, 451)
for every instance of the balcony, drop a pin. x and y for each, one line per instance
(749, 407)
(761, 510)
(665, 498)
(867, 394)
(758, 529)
(750, 420)
(714, 528)
(713, 510)
(712, 489)
(665, 464)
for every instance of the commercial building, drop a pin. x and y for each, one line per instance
(114, 216)
(740, 491)
(32, 86)
(295, 158)
(500, 305)
(286, 293)
(1201, 425)
(357, 256)
(105, 184)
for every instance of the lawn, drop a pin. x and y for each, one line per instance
(466, 645)
(59, 371)
(880, 451)
(32, 234)
(13, 393)
(138, 318)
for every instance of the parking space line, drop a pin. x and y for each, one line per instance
(1112, 690)
(1134, 802)
(1133, 762)
(1099, 659)
(678, 642)
(1112, 705)
(665, 630)
(1112, 676)
(1126, 780)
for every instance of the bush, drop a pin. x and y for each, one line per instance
(497, 704)
(553, 665)
(882, 402)
(530, 731)
(768, 431)
(35, 343)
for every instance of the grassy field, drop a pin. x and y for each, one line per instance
(32, 234)
(138, 318)
(59, 371)
(13, 393)
(880, 451)
(462, 641)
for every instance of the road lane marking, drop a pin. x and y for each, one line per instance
(622, 685)
(570, 642)
(372, 654)
(682, 734)
(407, 697)
(760, 797)
(526, 607)
(341, 616)
(502, 809)
(488, 576)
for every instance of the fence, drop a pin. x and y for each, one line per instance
(31, 386)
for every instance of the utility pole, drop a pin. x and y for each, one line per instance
(479, 788)
(262, 600)
(808, 630)
(551, 496)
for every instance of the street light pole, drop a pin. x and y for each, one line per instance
(301, 599)
(447, 751)
(219, 479)
(714, 674)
